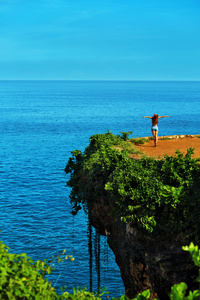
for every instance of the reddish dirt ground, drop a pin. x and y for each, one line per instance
(169, 146)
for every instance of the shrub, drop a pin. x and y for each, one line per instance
(22, 278)
(139, 141)
(125, 135)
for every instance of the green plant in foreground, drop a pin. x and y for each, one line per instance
(81, 294)
(23, 279)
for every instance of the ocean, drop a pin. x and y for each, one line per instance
(41, 123)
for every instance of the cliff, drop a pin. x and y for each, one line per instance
(145, 262)
(147, 208)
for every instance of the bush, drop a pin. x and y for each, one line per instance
(139, 141)
(125, 135)
(22, 278)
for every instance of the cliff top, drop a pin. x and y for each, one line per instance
(167, 145)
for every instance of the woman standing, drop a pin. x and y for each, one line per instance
(154, 127)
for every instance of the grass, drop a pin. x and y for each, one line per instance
(125, 145)
(165, 138)
(139, 141)
(128, 145)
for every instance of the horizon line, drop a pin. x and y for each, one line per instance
(135, 80)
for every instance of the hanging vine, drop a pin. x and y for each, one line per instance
(90, 250)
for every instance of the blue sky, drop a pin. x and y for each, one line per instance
(100, 40)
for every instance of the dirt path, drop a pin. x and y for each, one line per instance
(170, 145)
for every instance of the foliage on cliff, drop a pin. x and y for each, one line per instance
(159, 196)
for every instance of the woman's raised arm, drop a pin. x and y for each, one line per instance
(163, 117)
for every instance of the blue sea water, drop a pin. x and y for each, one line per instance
(41, 123)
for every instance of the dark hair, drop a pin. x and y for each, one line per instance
(155, 119)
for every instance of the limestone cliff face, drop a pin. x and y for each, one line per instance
(145, 262)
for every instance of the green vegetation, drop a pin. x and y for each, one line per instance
(157, 196)
(165, 138)
(139, 141)
(125, 135)
(23, 279)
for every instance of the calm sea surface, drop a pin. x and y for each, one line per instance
(41, 123)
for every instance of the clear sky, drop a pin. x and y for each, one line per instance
(100, 39)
